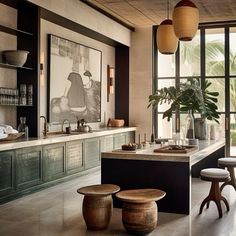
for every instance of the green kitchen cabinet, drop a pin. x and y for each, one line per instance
(53, 161)
(28, 167)
(92, 152)
(74, 156)
(107, 143)
(119, 140)
(7, 172)
(130, 137)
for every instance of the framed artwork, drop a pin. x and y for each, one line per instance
(74, 85)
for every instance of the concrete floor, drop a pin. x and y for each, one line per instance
(57, 211)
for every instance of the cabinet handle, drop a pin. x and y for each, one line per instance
(226, 123)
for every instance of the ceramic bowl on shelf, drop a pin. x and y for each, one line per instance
(15, 57)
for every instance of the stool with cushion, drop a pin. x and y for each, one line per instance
(215, 175)
(230, 163)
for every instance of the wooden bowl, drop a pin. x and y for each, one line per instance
(117, 123)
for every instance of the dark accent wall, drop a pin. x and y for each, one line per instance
(122, 83)
(28, 19)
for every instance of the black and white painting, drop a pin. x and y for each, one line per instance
(75, 81)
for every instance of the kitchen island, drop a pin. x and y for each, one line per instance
(170, 172)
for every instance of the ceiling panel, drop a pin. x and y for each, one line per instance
(152, 12)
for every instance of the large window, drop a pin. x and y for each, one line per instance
(211, 55)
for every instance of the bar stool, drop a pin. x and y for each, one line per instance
(215, 175)
(230, 163)
(139, 211)
(98, 205)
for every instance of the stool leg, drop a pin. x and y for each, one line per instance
(217, 197)
(226, 202)
(219, 208)
(232, 180)
(214, 195)
(206, 200)
(208, 204)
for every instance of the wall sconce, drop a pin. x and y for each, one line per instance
(110, 81)
(41, 62)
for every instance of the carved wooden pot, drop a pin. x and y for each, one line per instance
(139, 218)
(97, 211)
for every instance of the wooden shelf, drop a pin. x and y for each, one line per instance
(16, 105)
(13, 31)
(14, 67)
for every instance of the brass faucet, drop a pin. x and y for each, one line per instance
(67, 128)
(45, 127)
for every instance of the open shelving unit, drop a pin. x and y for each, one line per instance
(27, 35)
(4, 65)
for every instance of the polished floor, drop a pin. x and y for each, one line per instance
(56, 211)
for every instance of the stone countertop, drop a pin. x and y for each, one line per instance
(23, 143)
(205, 148)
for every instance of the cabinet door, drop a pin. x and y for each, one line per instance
(6, 172)
(130, 137)
(28, 167)
(119, 140)
(92, 152)
(107, 143)
(53, 161)
(74, 157)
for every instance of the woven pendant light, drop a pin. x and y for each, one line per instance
(185, 20)
(167, 42)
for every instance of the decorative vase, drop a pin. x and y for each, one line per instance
(200, 128)
(189, 126)
(212, 132)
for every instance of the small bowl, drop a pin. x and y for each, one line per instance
(127, 147)
(15, 57)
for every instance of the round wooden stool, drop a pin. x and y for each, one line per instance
(139, 211)
(98, 205)
(215, 175)
(230, 163)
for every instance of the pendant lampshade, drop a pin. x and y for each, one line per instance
(167, 42)
(185, 20)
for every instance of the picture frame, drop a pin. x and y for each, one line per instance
(74, 84)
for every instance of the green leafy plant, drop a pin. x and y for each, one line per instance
(190, 96)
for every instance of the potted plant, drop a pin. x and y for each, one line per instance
(189, 97)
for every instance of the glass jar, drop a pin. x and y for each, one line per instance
(22, 89)
(23, 127)
(189, 126)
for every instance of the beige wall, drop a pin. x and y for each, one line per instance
(141, 80)
(7, 76)
(82, 14)
(108, 57)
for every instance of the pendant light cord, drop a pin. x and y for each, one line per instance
(168, 9)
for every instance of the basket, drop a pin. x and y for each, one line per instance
(11, 137)
(117, 123)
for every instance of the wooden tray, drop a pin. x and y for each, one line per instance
(11, 137)
(169, 149)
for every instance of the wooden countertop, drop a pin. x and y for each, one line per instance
(206, 147)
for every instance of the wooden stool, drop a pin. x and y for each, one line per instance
(98, 205)
(230, 163)
(215, 175)
(139, 211)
